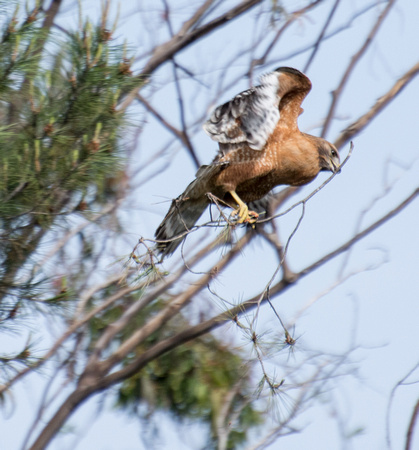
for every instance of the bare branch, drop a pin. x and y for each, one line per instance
(50, 14)
(184, 38)
(215, 322)
(63, 241)
(221, 420)
(290, 19)
(160, 319)
(189, 24)
(357, 126)
(412, 425)
(321, 36)
(73, 400)
(181, 135)
(390, 401)
(351, 66)
(186, 139)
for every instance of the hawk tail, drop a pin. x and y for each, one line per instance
(185, 210)
(182, 216)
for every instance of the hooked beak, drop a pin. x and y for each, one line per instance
(335, 166)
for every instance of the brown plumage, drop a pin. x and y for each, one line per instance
(260, 147)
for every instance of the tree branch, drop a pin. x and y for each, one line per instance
(351, 66)
(356, 127)
(290, 19)
(181, 135)
(167, 313)
(184, 38)
(215, 322)
(321, 35)
(72, 402)
(412, 424)
(93, 380)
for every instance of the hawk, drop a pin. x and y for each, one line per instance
(260, 147)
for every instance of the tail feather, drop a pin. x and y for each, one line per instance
(182, 216)
(185, 210)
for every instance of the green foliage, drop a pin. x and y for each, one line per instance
(60, 140)
(60, 152)
(192, 381)
(59, 130)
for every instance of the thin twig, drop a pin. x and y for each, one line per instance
(336, 94)
(291, 18)
(181, 135)
(184, 38)
(412, 425)
(321, 36)
(186, 140)
(390, 401)
(356, 127)
(215, 322)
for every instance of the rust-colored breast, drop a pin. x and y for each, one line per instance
(287, 159)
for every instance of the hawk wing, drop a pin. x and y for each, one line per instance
(252, 115)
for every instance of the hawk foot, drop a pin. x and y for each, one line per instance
(245, 216)
(242, 212)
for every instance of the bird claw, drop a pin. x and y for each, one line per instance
(242, 212)
(244, 215)
(252, 217)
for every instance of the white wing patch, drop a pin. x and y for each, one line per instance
(249, 117)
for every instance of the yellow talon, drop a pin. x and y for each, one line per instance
(242, 212)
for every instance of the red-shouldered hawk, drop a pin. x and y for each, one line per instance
(260, 147)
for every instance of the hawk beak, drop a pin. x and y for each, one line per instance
(335, 166)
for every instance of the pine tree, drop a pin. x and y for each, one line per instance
(61, 150)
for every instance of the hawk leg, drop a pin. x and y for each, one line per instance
(242, 212)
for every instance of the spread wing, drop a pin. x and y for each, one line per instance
(252, 116)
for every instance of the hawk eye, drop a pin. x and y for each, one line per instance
(334, 153)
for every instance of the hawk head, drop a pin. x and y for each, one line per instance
(328, 156)
(328, 153)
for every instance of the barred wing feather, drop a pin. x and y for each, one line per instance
(250, 117)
